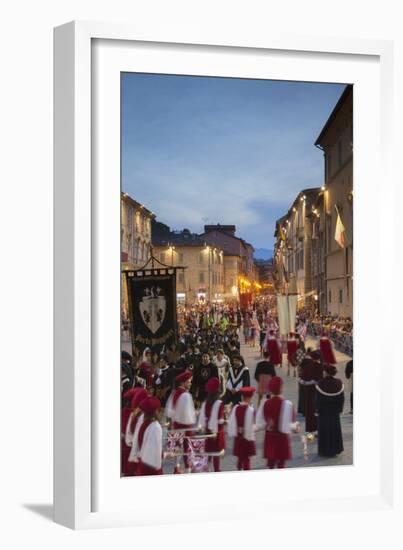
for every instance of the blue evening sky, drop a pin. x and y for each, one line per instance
(199, 150)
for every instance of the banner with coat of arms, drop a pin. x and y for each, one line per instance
(152, 309)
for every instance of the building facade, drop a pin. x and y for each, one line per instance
(336, 142)
(232, 273)
(293, 249)
(314, 239)
(264, 269)
(135, 239)
(224, 237)
(319, 252)
(202, 279)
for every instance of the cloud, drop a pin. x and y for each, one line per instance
(221, 150)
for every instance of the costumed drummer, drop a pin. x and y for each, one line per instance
(180, 411)
(275, 415)
(211, 420)
(241, 426)
(149, 439)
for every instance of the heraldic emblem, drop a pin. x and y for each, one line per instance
(153, 308)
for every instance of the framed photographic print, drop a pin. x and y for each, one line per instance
(208, 289)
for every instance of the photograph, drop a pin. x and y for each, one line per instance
(236, 274)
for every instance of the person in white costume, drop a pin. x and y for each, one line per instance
(148, 440)
(180, 411)
(241, 426)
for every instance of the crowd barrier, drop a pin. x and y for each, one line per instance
(343, 341)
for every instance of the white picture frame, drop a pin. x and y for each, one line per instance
(88, 491)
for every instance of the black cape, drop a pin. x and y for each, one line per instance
(329, 406)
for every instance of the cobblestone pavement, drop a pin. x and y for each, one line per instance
(228, 462)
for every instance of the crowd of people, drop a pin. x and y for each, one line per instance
(196, 393)
(339, 329)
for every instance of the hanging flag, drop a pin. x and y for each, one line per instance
(282, 234)
(340, 233)
(152, 300)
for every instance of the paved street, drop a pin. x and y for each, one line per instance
(251, 356)
(228, 463)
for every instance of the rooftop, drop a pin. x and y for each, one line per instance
(347, 91)
(136, 205)
(163, 236)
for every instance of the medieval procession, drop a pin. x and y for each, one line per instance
(237, 335)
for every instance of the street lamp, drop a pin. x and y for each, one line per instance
(172, 248)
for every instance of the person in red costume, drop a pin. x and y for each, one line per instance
(275, 415)
(146, 369)
(292, 346)
(211, 420)
(180, 411)
(326, 349)
(125, 415)
(149, 439)
(241, 426)
(274, 349)
(134, 422)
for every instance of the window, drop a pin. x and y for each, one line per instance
(181, 278)
(180, 258)
(201, 258)
(162, 257)
(330, 296)
(340, 296)
(201, 276)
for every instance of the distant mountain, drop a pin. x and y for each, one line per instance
(263, 254)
